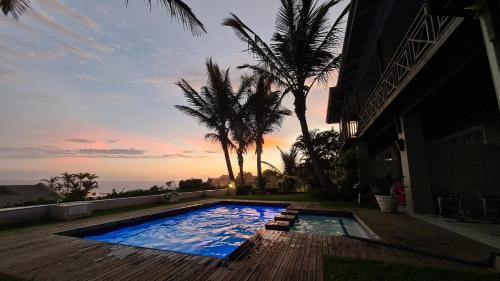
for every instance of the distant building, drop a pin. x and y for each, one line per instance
(14, 195)
(250, 179)
(223, 180)
(220, 181)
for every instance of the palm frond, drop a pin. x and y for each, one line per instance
(181, 12)
(271, 166)
(257, 46)
(14, 7)
(202, 118)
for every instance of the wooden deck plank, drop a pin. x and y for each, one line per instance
(278, 256)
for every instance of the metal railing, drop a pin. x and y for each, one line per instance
(423, 38)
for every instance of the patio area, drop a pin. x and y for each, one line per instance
(36, 252)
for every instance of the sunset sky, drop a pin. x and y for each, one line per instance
(88, 86)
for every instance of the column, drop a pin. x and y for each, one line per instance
(364, 173)
(489, 16)
(413, 153)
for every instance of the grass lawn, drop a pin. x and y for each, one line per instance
(297, 197)
(5, 277)
(348, 269)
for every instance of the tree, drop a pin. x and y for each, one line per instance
(52, 183)
(326, 146)
(68, 181)
(303, 52)
(288, 177)
(289, 160)
(73, 186)
(241, 132)
(266, 115)
(176, 8)
(212, 107)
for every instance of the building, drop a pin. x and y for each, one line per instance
(418, 96)
(220, 181)
(14, 195)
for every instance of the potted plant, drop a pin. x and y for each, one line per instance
(382, 189)
(170, 196)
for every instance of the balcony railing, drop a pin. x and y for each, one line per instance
(423, 39)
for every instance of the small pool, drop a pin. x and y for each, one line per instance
(329, 225)
(214, 231)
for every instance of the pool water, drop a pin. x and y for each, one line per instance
(215, 231)
(329, 225)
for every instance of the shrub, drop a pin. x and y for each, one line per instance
(194, 184)
(243, 190)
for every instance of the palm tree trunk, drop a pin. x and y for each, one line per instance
(300, 111)
(228, 161)
(240, 163)
(258, 150)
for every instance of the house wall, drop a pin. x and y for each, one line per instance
(465, 171)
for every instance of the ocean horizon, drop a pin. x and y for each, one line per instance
(105, 186)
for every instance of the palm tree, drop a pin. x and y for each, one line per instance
(212, 107)
(303, 52)
(290, 161)
(51, 183)
(176, 8)
(266, 115)
(88, 184)
(288, 177)
(241, 132)
(68, 180)
(80, 178)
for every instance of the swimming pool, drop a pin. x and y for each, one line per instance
(329, 225)
(214, 231)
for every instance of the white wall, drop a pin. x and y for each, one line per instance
(30, 213)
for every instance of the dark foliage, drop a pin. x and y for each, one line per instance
(194, 184)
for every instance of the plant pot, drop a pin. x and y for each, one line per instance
(387, 204)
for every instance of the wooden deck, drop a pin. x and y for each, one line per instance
(40, 254)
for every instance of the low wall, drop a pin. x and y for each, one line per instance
(30, 213)
(114, 203)
(23, 214)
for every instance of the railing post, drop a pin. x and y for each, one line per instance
(488, 13)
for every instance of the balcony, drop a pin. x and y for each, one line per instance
(424, 37)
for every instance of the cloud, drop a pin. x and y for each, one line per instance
(66, 48)
(113, 151)
(108, 13)
(36, 152)
(70, 13)
(86, 77)
(81, 140)
(7, 75)
(113, 141)
(48, 21)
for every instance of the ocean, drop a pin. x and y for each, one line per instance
(105, 186)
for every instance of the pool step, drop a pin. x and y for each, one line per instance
(290, 212)
(290, 218)
(278, 225)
